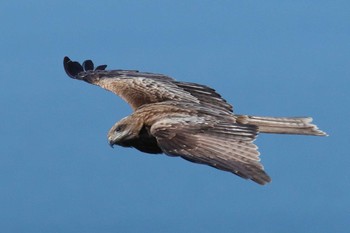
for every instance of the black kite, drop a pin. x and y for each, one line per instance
(187, 119)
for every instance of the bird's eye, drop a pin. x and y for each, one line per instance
(118, 128)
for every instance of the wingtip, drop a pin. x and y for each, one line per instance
(262, 179)
(101, 67)
(66, 61)
(88, 65)
(73, 68)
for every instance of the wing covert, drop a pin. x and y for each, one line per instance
(227, 147)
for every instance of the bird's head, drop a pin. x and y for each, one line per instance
(124, 132)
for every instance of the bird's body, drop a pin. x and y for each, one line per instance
(186, 119)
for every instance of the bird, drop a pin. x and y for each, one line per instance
(187, 120)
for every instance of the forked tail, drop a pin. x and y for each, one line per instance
(282, 125)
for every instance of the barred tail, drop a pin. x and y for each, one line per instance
(282, 125)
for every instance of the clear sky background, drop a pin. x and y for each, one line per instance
(278, 58)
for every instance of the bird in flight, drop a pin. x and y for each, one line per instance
(186, 119)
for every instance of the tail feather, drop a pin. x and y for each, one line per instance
(282, 125)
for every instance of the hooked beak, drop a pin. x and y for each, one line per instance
(111, 142)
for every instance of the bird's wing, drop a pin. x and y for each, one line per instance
(206, 95)
(140, 88)
(225, 146)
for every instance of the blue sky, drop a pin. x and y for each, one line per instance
(278, 58)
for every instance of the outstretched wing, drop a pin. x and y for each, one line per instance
(225, 146)
(140, 88)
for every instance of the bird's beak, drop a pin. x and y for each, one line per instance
(111, 142)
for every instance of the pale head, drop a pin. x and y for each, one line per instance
(124, 131)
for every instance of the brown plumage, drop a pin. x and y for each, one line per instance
(187, 119)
